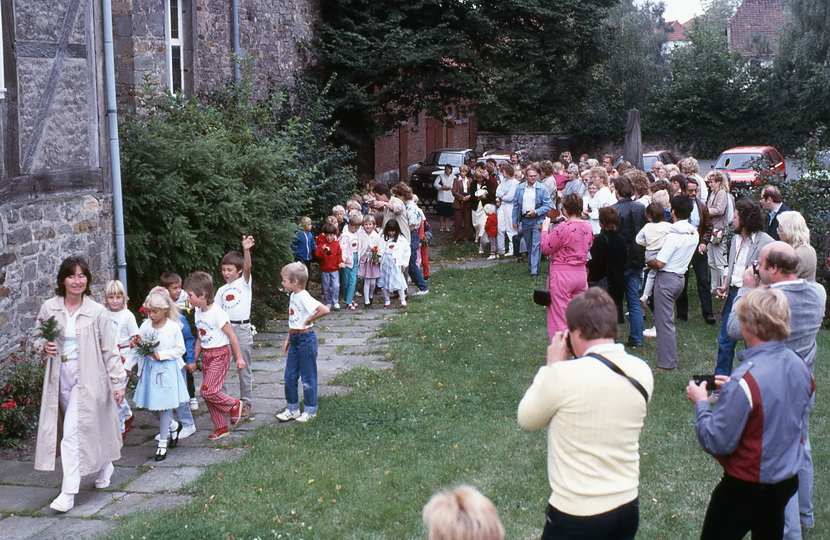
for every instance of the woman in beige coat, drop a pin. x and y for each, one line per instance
(83, 375)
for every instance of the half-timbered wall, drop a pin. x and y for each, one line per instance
(55, 198)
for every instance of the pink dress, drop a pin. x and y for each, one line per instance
(568, 245)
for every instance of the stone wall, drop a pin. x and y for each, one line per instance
(55, 198)
(138, 28)
(538, 145)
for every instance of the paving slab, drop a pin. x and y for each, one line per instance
(162, 479)
(23, 473)
(88, 503)
(66, 528)
(17, 498)
(140, 502)
(19, 527)
(199, 456)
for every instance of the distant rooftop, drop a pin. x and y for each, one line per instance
(679, 31)
(755, 28)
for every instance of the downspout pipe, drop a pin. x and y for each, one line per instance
(237, 77)
(114, 146)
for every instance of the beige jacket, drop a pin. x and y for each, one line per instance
(100, 373)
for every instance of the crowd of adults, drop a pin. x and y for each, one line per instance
(634, 237)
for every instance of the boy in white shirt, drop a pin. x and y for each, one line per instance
(235, 300)
(300, 345)
(214, 342)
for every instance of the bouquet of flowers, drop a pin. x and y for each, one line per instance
(374, 256)
(48, 329)
(145, 346)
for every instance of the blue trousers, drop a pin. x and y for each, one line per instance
(331, 287)
(348, 281)
(533, 243)
(302, 362)
(726, 345)
(633, 279)
(414, 271)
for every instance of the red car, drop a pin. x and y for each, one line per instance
(743, 164)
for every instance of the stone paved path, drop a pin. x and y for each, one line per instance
(139, 483)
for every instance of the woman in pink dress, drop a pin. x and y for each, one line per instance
(568, 244)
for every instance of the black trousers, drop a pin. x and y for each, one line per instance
(738, 507)
(618, 524)
(700, 265)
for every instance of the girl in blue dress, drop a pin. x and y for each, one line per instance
(394, 250)
(161, 386)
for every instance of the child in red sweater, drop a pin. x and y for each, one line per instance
(491, 227)
(330, 258)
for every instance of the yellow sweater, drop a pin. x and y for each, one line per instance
(594, 417)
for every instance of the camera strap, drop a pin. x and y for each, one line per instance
(616, 369)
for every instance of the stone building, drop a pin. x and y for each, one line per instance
(55, 175)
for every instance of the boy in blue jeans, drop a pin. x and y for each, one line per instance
(300, 345)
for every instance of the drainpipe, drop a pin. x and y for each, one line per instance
(235, 31)
(115, 150)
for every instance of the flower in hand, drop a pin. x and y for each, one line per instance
(48, 329)
(146, 346)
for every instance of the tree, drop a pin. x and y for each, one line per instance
(803, 64)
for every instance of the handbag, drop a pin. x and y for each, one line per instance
(541, 296)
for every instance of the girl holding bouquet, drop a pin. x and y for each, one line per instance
(369, 259)
(394, 252)
(161, 386)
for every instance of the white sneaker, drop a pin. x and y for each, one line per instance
(104, 475)
(650, 333)
(336, 307)
(491, 257)
(63, 502)
(194, 404)
(305, 417)
(420, 293)
(174, 426)
(287, 415)
(187, 431)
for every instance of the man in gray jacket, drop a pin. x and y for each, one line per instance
(777, 268)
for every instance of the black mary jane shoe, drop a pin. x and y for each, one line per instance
(161, 453)
(174, 437)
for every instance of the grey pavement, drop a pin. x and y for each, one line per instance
(348, 340)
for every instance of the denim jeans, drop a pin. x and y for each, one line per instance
(302, 362)
(415, 272)
(633, 280)
(726, 345)
(533, 243)
(331, 287)
(183, 410)
(799, 510)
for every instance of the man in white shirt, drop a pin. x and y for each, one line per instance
(671, 265)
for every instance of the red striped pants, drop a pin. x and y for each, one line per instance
(215, 364)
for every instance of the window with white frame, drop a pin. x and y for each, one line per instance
(175, 73)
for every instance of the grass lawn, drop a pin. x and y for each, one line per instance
(446, 414)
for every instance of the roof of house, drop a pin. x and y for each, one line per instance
(755, 28)
(678, 31)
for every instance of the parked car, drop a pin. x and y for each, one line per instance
(503, 155)
(751, 165)
(663, 156)
(422, 180)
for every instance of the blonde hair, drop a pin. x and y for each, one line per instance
(489, 209)
(795, 229)
(764, 312)
(369, 217)
(296, 272)
(338, 208)
(305, 220)
(159, 298)
(114, 286)
(355, 218)
(601, 173)
(661, 197)
(720, 177)
(462, 514)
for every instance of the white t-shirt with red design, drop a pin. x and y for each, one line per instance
(300, 307)
(209, 326)
(235, 298)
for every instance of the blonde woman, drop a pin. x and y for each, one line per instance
(462, 514)
(718, 205)
(793, 230)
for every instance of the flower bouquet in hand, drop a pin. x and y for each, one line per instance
(50, 331)
(145, 346)
(374, 256)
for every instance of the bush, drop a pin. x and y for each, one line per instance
(201, 171)
(21, 383)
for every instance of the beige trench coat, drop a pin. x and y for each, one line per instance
(100, 373)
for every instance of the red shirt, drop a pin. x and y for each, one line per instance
(329, 261)
(491, 226)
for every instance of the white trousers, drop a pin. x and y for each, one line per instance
(70, 443)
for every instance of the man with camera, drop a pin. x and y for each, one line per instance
(592, 396)
(776, 267)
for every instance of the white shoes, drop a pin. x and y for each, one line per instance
(187, 431)
(63, 503)
(104, 475)
(194, 404)
(650, 333)
(336, 307)
(287, 415)
(492, 257)
(305, 417)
